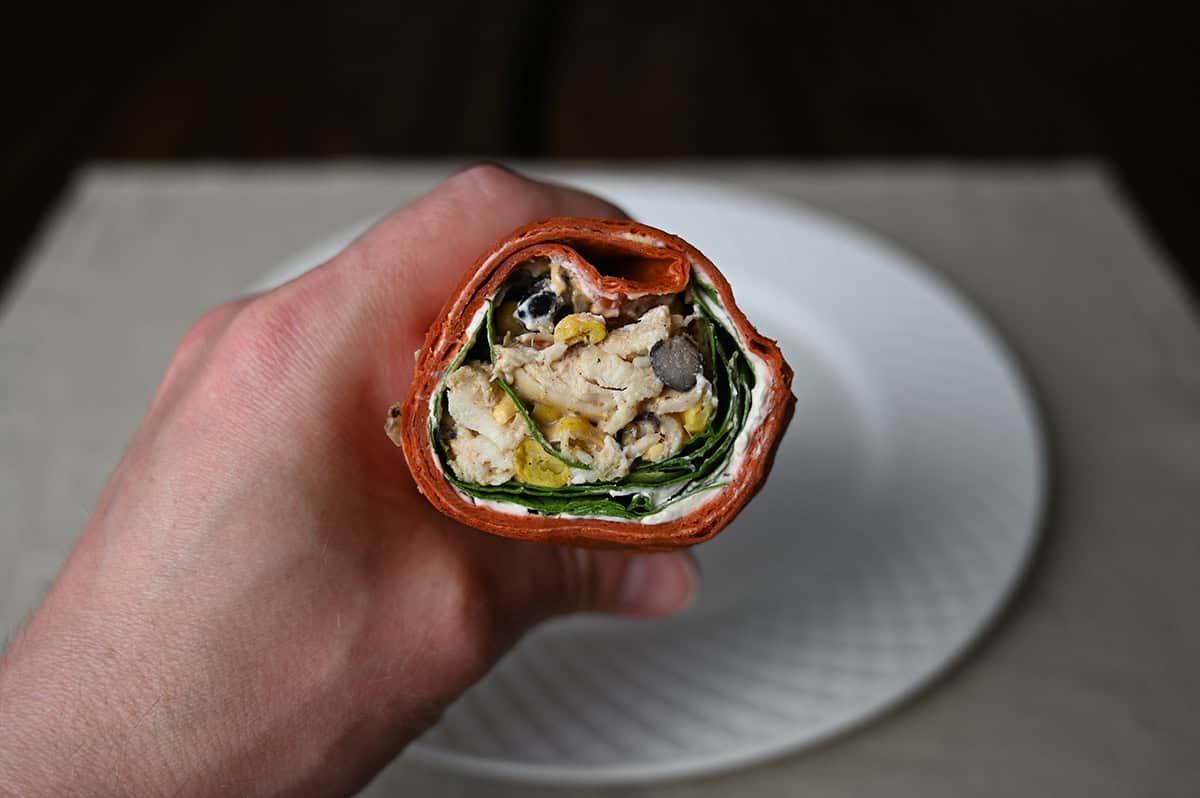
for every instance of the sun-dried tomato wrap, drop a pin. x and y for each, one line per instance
(592, 382)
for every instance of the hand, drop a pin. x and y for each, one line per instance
(262, 603)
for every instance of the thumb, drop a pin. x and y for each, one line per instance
(641, 585)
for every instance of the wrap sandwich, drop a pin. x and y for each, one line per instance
(592, 382)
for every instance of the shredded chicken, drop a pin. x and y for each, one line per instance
(604, 382)
(481, 447)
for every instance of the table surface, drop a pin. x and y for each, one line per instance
(1090, 685)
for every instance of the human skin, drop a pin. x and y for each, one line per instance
(262, 603)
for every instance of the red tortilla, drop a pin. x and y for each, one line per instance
(615, 261)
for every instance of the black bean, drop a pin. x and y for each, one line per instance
(539, 306)
(677, 361)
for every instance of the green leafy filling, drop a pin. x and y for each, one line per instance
(674, 479)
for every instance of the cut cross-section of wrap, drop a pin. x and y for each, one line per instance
(592, 382)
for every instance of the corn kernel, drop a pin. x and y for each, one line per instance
(654, 453)
(507, 321)
(695, 418)
(580, 327)
(545, 414)
(535, 466)
(574, 428)
(504, 410)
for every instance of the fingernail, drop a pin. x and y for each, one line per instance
(659, 584)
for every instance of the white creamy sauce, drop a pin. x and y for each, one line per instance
(674, 511)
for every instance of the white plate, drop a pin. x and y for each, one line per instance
(902, 508)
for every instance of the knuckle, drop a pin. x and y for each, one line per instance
(203, 330)
(265, 342)
(524, 199)
(490, 179)
(191, 353)
(505, 193)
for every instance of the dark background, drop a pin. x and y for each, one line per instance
(836, 79)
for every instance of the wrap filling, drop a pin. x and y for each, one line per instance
(568, 405)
